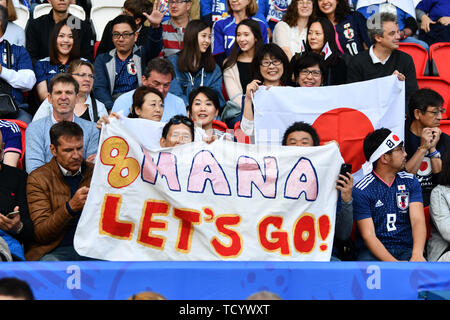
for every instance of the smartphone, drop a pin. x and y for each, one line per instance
(12, 214)
(346, 167)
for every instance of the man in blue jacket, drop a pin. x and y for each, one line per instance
(120, 70)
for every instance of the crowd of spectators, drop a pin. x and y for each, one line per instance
(186, 62)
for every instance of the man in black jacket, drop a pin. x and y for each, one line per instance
(38, 31)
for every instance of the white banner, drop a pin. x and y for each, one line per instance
(219, 201)
(344, 113)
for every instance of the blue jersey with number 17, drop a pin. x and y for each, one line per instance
(224, 34)
(388, 206)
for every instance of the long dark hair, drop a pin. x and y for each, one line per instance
(191, 51)
(273, 51)
(342, 10)
(329, 36)
(256, 30)
(291, 15)
(53, 51)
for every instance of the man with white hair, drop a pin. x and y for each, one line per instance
(387, 203)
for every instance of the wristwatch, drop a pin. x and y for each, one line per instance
(437, 155)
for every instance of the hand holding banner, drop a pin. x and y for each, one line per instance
(208, 201)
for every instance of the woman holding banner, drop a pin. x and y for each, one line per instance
(270, 67)
(147, 104)
(203, 108)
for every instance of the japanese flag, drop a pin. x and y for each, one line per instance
(344, 113)
(327, 51)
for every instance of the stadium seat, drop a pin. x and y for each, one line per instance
(239, 134)
(107, 3)
(439, 85)
(100, 16)
(45, 8)
(22, 16)
(23, 126)
(439, 54)
(445, 126)
(96, 44)
(219, 125)
(419, 55)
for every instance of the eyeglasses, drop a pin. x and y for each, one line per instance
(82, 75)
(178, 120)
(436, 113)
(177, 1)
(398, 148)
(124, 35)
(314, 73)
(267, 63)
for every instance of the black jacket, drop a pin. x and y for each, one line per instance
(38, 32)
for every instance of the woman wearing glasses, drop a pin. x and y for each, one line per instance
(64, 48)
(270, 67)
(236, 74)
(194, 65)
(321, 40)
(86, 107)
(290, 33)
(308, 70)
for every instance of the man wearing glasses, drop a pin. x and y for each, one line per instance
(424, 140)
(120, 70)
(387, 203)
(135, 9)
(171, 31)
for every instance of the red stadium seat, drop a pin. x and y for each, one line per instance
(440, 53)
(239, 134)
(419, 55)
(219, 125)
(445, 126)
(97, 43)
(23, 126)
(439, 85)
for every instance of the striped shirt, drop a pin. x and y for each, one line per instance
(12, 137)
(388, 207)
(172, 38)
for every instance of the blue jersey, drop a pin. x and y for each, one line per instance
(12, 137)
(218, 9)
(388, 206)
(352, 33)
(224, 34)
(46, 70)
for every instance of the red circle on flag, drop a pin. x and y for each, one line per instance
(348, 127)
(423, 166)
(395, 138)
